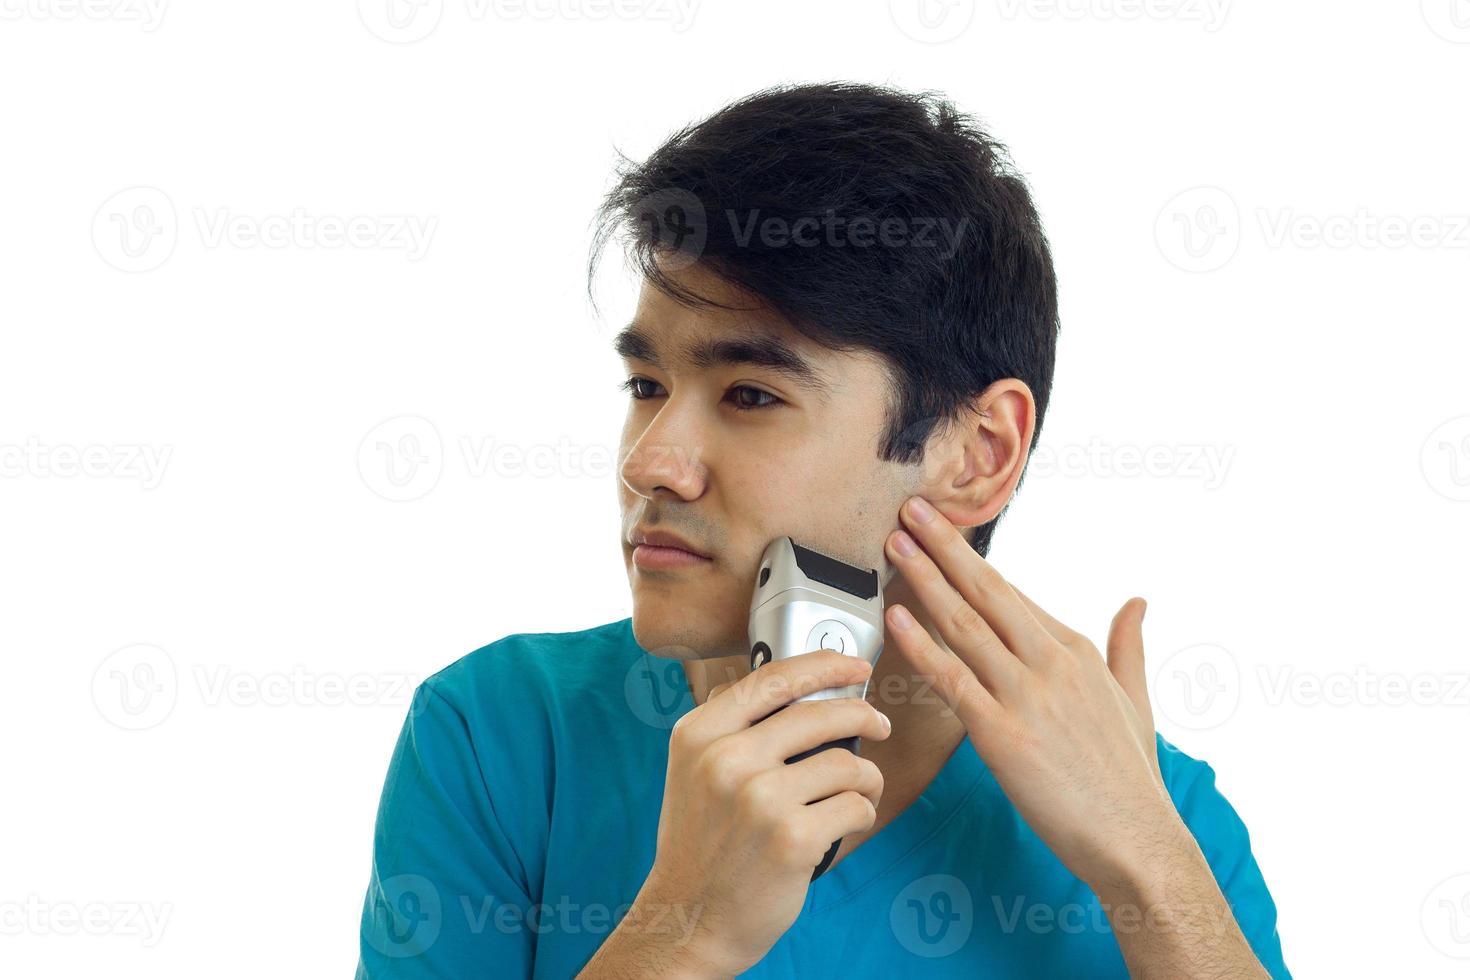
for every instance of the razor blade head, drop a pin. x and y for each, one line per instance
(786, 565)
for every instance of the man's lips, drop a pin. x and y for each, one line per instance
(665, 540)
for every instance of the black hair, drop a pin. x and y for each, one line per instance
(745, 191)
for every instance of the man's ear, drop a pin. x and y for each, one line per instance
(980, 456)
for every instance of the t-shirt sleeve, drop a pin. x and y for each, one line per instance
(1225, 843)
(443, 865)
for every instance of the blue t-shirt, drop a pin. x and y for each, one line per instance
(520, 814)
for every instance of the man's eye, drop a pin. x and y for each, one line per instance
(745, 406)
(633, 387)
(755, 398)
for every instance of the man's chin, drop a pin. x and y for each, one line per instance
(685, 627)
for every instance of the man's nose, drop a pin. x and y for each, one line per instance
(669, 455)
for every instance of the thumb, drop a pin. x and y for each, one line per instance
(1125, 656)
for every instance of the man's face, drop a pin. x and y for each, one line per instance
(728, 456)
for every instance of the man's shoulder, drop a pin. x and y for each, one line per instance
(1217, 827)
(1225, 842)
(1189, 780)
(1176, 765)
(526, 665)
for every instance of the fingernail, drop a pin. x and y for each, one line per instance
(904, 545)
(887, 722)
(901, 618)
(920, 510)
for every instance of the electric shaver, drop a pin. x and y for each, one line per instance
(806, 601)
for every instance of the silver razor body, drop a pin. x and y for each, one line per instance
(804, 601)
(807, 601)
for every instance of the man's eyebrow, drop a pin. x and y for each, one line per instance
(761, 350)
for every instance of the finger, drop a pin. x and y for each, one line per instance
(825, 774)
(1064, 634)
(836, 816)
(808, 724)
(977, 581)
(964, 629)
(966, 694)
(777, 683)
(1125, 656)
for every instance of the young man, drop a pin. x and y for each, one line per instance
(846, 334)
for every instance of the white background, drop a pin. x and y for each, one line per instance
(1228, 188)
